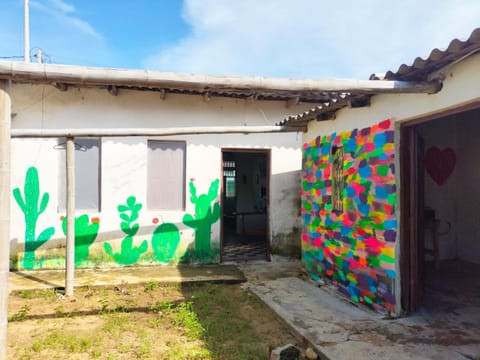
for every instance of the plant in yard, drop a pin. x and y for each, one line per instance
(20, 315)
(151, 285)
(85, 235)
(32, 209)
(186, 317)
(26, 294)
(129, 253)
(205, 216)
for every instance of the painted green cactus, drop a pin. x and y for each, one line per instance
(85, 235)
(32, 209)
(205, 216)
(165, 240)
(129, 253)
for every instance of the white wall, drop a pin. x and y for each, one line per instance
(124, 160)
(461, 87)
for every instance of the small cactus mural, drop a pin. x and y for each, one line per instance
(205, 216)
(165, 240)
(85, 235)
(32, 206)
(129, 253)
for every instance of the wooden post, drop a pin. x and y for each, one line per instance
(5, 193)
(70, 245)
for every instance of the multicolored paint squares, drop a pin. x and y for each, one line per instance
(354, 246)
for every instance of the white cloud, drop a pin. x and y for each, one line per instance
(63, 6)
(58, 29)
(312, 38)
(64, 12)
(83, 26)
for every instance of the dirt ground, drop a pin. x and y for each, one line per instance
(150, 321)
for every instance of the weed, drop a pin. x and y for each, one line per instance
(178, 351)
(150, 286)
(48, 294)
(26, 294)
(58, 340)
(20, 315)
(185, 316)
(164, 306)
(115, 323)
(122, 309)
(59, 311)
(95, 354)
(144, 345)
(104, 309)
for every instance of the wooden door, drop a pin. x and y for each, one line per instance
(412, 227)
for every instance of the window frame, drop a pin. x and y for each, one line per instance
(183, 180)
(61, 145)
(230, 173)
(338, 178)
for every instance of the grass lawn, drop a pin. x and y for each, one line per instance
(151, 321)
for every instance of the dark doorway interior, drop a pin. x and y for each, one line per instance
(440, 203)
(245, 205)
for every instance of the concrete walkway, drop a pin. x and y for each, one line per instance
(339, 330)
(41, 279)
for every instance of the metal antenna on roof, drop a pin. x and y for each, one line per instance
(26, 32)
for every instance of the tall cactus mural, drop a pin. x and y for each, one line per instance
(129, 253)
(32, 209)
(85, 235)
(205, 216)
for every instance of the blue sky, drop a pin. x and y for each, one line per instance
(281, 38)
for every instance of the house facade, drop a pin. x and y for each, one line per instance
(150, 199)
(389, 184)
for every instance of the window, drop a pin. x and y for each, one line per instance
(166, 175)
(337, 178)
(229, 176)
(87, 174)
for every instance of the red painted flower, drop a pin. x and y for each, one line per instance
(95, 220)
(62, 217)
(192, 179)
(155, 220)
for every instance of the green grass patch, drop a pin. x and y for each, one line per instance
(150, 321)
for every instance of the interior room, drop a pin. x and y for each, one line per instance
(245, 205)
(451, 213)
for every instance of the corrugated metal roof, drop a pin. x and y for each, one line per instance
(292, 91)
(419, 70)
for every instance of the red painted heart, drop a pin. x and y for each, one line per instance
(440, 163)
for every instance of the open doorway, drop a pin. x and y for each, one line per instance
(440, 213)
(245, 189)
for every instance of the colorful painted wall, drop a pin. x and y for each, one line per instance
(352, 245)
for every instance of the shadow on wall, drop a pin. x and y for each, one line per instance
(164, 247)
(285, 202)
